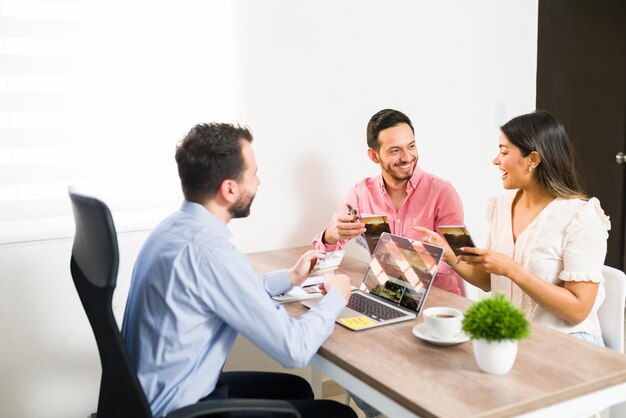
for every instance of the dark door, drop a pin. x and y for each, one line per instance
(581, 79)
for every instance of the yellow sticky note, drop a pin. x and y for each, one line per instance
(357, 322)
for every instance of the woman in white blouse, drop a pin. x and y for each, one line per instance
(547, 241)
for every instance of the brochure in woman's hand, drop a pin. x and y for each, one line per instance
(457, 236)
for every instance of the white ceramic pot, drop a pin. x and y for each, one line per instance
(495, 357)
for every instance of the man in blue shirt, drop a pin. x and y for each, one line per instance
(192, 292)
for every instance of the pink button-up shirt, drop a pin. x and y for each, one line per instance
(430, 202)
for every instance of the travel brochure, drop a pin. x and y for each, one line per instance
(375, 225)
(310, 287)
(457, 236)
(328, 264)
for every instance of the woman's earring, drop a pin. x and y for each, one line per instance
(530, 169)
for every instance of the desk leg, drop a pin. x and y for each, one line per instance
(618, 410)
(314, 377)
(379, 401)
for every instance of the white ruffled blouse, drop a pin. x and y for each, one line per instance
(565, 242)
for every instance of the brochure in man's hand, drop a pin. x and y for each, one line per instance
(328, 264)
(310, 287)
(375, 225)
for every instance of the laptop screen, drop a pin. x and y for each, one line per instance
(401, 271)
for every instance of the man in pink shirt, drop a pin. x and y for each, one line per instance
(406, 194)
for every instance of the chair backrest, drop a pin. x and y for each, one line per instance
(611, 313)
(94, 264)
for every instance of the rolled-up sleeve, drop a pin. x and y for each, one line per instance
(234, 293)
(585, 244)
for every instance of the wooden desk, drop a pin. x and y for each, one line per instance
(554, 375)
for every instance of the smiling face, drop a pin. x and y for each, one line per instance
(397, 154)
(513, 165)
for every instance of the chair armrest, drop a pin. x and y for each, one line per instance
(217, 406)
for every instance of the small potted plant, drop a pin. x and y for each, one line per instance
(495, 326)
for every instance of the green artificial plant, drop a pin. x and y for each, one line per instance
(495, 319)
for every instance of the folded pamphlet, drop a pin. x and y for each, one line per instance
(375, 225)
(310, 287)
(328, 264)
(299, 293)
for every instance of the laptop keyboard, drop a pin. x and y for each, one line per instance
(373, 309)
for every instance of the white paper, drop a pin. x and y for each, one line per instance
(298, 293)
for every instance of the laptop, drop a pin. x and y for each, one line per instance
(395, 285)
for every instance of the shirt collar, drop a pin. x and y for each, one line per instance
(411, 184)
(416, 177)
(203, 215)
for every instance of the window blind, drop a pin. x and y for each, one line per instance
(96, 94)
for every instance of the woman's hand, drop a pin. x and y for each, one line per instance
(431, 237)
(473, 273)
(572, 302)
(490, 261)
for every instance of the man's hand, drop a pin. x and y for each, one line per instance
(340, 282)
(301, 270)
(345, 227)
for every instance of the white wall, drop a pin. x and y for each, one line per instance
(309, 76)
(49, 364)
(312, 73)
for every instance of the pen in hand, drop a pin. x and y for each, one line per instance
(352, 211)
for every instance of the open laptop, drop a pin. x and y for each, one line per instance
(395, 285)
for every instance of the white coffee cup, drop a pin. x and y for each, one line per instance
(443, 323)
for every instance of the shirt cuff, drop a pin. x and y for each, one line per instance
(278, 282)
(318, 243)
(332, 303)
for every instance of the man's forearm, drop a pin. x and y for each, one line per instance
(326, 240)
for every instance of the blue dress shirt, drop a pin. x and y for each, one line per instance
(191, 293)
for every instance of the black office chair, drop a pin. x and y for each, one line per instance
(94, 265)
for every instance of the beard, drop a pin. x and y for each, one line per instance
(398, 175)
(241, 208)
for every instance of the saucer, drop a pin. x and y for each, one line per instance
(421, 332)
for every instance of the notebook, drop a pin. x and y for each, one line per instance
(395, 285)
